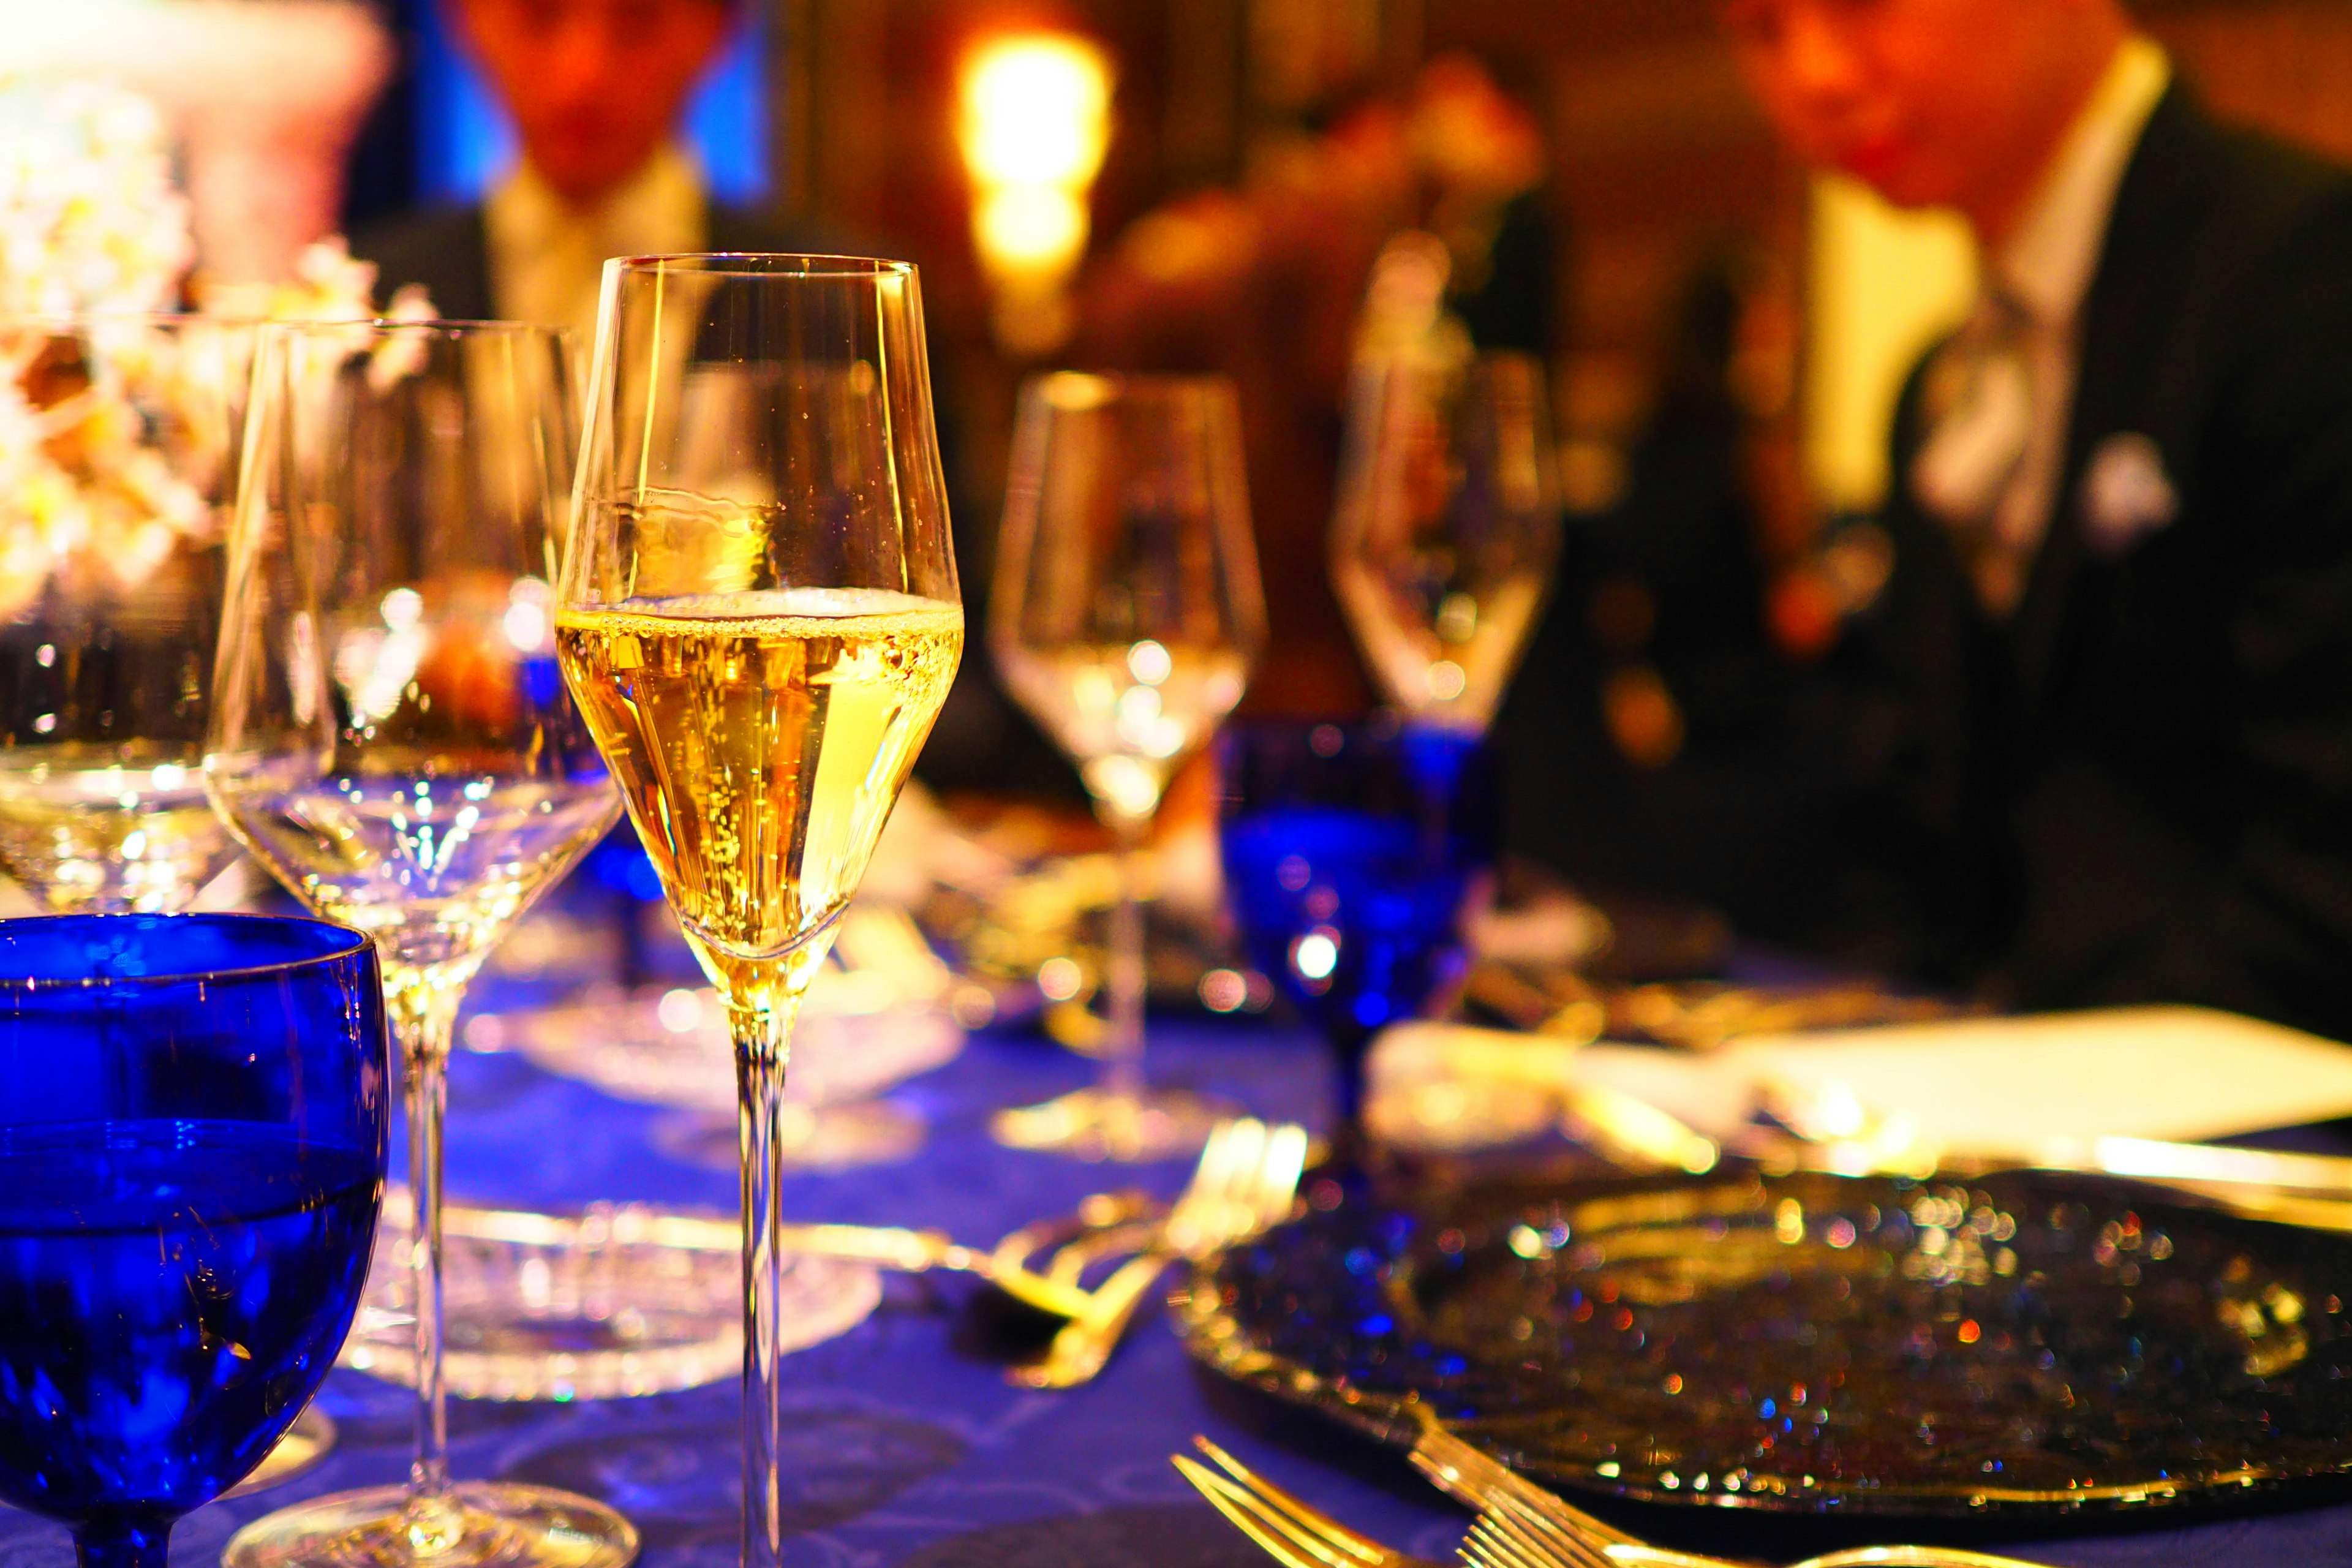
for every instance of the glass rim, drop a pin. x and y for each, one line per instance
(76, 320)
(358, 943)
(813, 265)
(1078, 389)
(453, 327)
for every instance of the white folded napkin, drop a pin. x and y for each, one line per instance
(1991, 1086)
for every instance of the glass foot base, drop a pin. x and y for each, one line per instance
(482, 1525)
(306, 1442)
(613, 1303)
(1099, 1124)
(821, 1138)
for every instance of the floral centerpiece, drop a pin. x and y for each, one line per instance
(122, 420)
(117, 434)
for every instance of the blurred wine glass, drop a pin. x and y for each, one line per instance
(113, 519)
(760, 619)
(1447, 523)
(391, 738)
(1126, 617)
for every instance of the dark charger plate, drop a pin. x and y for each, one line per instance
(1816, 1343)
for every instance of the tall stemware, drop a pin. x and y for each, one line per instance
(118, 467)
(761, 619)
(1126, 617)
(1448, 525)
(390, 737)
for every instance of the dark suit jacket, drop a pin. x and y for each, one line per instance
(2139, 787)
(447, 249)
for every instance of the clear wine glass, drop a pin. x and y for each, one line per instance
(1126, 617)
(760, 618)
(391, 738)
(1447, 526)
(114, 522)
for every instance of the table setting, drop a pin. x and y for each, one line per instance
(795, 1238)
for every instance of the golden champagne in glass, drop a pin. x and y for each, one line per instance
(760, 619)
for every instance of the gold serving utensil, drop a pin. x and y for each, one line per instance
(1522, 1525)
(1825, 1126)
(1704, 1017)
(1012, 1265)
(1693, 1015)
(906, 1251)
(1246, 1180)
(1622, 1128)
(1511, 1534)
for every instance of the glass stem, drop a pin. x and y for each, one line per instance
(116, 1543)
(1122, 1073)
(424, 1017)
(762, 1030)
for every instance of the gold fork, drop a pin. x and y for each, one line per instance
(1040, 1264)
(1292, 1533)
(1465, 1471)
(1512, 1534)
(1523, 1525)
(1246, 1179)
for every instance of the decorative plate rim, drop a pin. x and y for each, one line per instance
(1214, 1336)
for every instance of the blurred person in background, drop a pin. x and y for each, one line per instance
(595, 90)
(2097, 723)
(1652, 740)
(1265, 283)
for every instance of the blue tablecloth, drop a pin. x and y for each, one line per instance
(909, 1446)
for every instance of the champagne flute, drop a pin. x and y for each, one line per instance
(760, 618)
(1126, 617)
(113, 528)
(390, 737)
(1447, 526)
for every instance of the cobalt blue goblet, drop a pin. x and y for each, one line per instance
(193, 1111)
(1351, 853)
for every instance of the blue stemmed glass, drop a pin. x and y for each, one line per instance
(1351, 852)
(193, 1111)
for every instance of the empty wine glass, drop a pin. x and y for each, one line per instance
(1126, 617)
(759, 616)
(113, 528)
(391, 738)
(1448, 525)
(193, 1114)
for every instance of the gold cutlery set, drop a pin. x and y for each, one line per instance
(1519, 1524)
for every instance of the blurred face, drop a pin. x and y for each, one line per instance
(1941, 102)
(594, 86)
